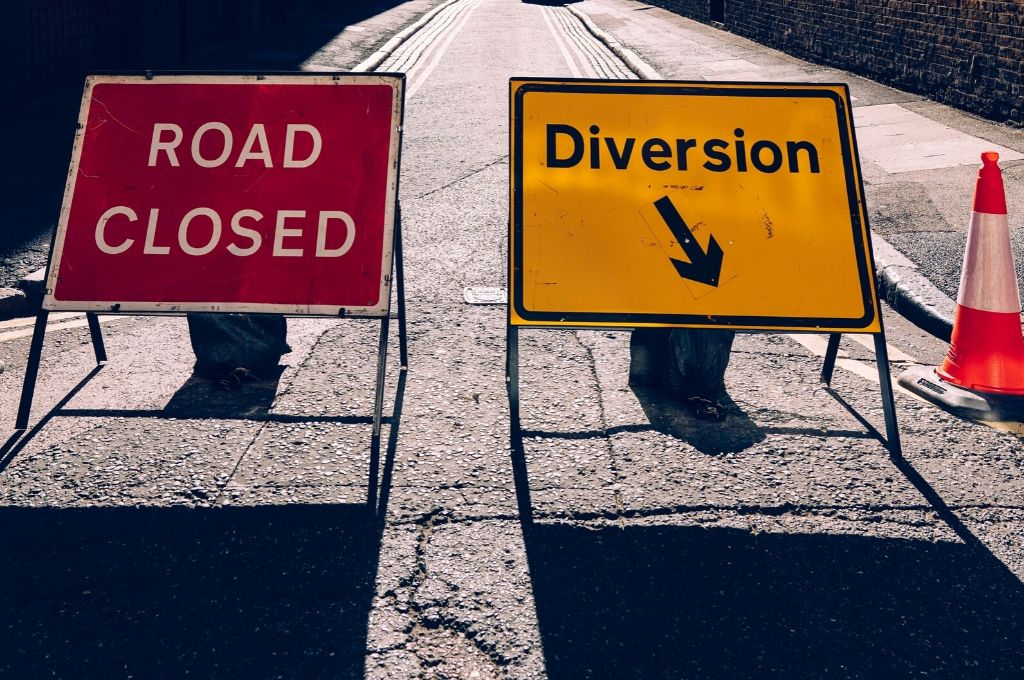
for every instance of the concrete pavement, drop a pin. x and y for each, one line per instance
(157, 528)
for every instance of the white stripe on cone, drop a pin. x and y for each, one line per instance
(988, 281)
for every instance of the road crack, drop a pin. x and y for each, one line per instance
(603, 415)
(464, 177)
(222, 487)
(434, 635)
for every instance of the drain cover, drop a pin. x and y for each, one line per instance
(481, 295)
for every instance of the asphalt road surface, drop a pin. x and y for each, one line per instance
(154, 527)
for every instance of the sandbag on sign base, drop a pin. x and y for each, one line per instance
(223, 343)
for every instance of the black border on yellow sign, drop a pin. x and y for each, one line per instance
(854, 188)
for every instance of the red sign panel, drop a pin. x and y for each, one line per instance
(231, 193)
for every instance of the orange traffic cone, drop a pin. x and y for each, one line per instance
(982, 375)
(986, 353)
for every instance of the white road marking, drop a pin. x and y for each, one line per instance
(815, 344)
(405, 56)
(604, 62)
(573, 68)
(895, 354)
(30, 320)
(423, 73)
(54, 327)
(818, 344)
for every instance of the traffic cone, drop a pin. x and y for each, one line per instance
(986, 353)
(982, 375)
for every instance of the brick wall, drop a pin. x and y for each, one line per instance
(968, 53)
(55, 37)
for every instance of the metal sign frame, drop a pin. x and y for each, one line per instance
(588, 321)
(854, 209)
(326, 79)
(393, 261)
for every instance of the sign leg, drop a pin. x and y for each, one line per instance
(512, 375)
(403, 343)
(97, 337)
(519, 472)
(892, 433)
(830, 358)
(378, 408)
(35, 353)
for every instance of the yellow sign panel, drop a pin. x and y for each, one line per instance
(687, 204)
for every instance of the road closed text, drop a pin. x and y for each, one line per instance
(242, 232)
(202, 230)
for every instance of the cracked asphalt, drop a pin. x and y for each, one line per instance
(154, 527)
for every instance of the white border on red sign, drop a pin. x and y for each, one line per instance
(397, 84)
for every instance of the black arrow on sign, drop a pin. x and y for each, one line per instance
(702, 267)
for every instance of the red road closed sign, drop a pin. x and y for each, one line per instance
(231, 193)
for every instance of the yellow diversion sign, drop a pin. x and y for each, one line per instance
(687, 204)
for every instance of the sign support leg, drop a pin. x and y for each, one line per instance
(892, 433)
(403, 342)
(520, 474)
(830, 358)
(97, 337)
(378, 408)
(512, 375)
(35, 352)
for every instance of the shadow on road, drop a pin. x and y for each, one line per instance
(735, 433)
(280, 591)
(662, 601)
(198, 398)
(688, 602)
(258, 592)
(202, 398)
(286, 45)
(17, 441)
